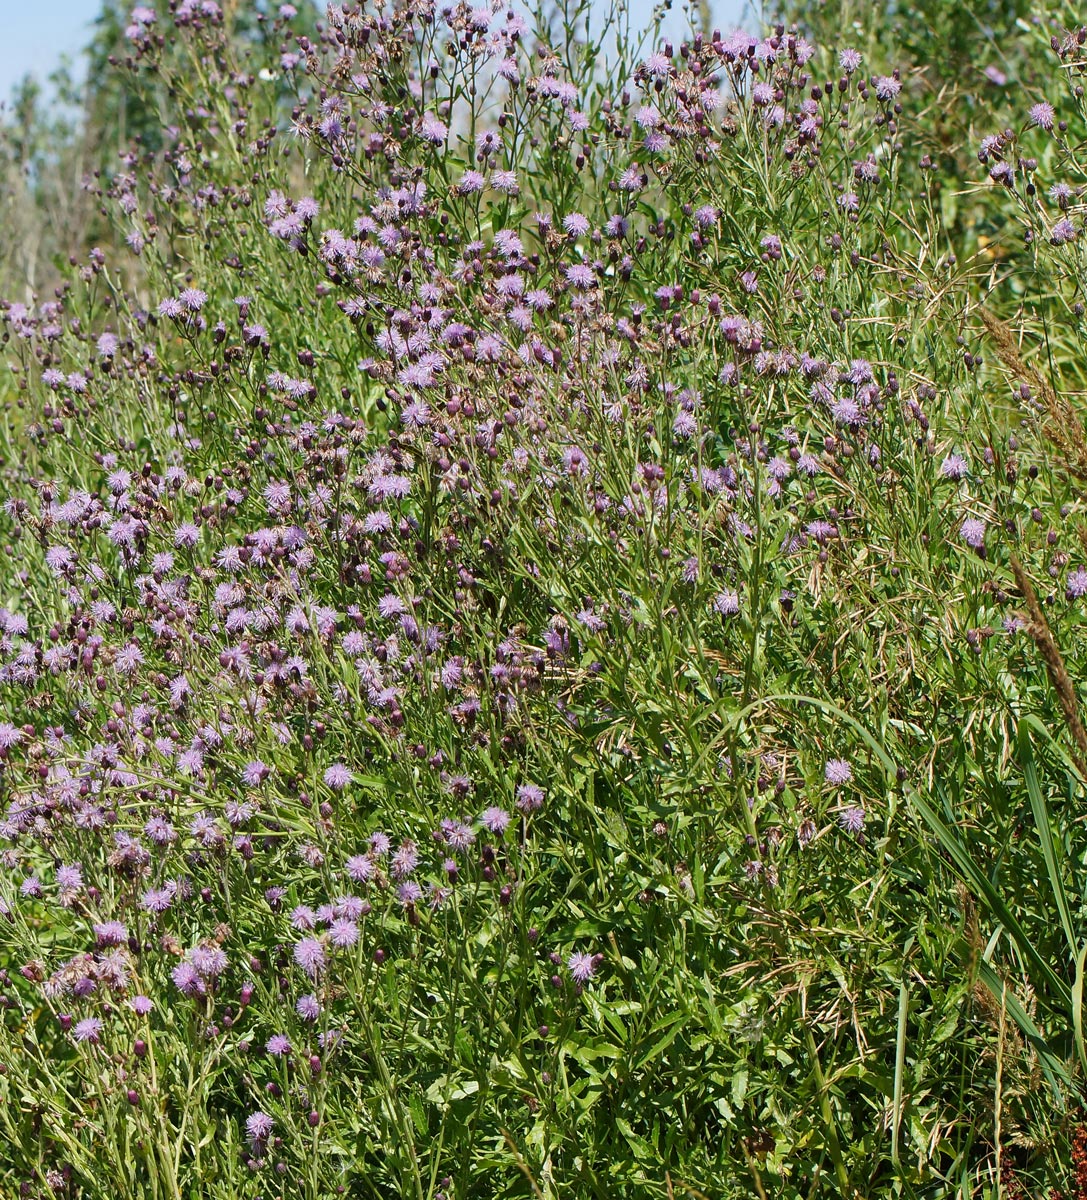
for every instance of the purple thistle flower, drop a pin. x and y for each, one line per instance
(70, 878)
(530, 797)
(1042, 115)
(352, 907)
(457, 835)
(1076, 586)
(308, 1008)
(186, 534)
(187, 979)
(258, 1127)
(727, 604)
(88, 1030)
(360, 868)
(954, 467)
(110, 933)
(821, 531)
(405, 860)
(433, 130)
(193, 299)
(278, 1045)
(581, 966)
(972, 532)
(309, 954)
(580, 276)
(157, 900)
(160, 831)
(303, 917)
(469, 182)
(852, 819)
(343, 933)
(210, 961)
(495, 819)
(9, 736)
(338, 776)
(837, 771)
(1063, 232)
(255, 773)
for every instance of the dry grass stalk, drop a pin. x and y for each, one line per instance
(1060, 421)
(1038, 627)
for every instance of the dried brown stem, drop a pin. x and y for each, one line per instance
(1059, 420)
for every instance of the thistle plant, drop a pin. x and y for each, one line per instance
(541, 631)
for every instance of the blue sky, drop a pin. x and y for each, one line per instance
(34, 36)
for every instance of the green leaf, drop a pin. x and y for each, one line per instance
(1045, 837)
(973, 875)
(1077, 1006)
